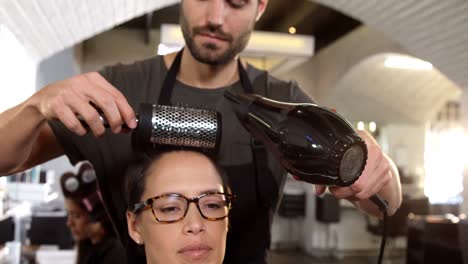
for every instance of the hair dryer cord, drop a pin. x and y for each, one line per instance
(383, 206)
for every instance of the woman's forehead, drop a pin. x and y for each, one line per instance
(183, 172)
(72, 205)
(183, 163)
(187, 184)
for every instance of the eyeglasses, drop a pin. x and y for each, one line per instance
(170, 208)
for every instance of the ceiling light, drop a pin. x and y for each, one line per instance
(407, 62)
(292, 30)
(360, 125)
(372, 127)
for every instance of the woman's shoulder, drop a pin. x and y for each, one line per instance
(111, 250)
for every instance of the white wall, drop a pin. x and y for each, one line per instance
(17, 70)
(118, 45)
(405, 144)
(464, 122)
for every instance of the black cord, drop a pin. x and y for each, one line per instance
(383, 206)
(384, 237)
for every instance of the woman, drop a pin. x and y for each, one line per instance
(178, 208)
(87, 219)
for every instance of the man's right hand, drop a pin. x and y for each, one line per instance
(66, 100)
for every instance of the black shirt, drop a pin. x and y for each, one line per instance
(107, 251)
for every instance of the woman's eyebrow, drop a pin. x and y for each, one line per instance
(214, 190)
(168, 193)
(210, 191)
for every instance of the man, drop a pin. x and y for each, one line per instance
(215, 32)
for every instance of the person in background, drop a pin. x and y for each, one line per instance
(87, 219)
(178, 206)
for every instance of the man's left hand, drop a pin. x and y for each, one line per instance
(375, 176)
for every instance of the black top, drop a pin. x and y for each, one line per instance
(141, 82)
(108, 251)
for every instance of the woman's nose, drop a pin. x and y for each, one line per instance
(193, 222)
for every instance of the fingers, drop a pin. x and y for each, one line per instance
(373, 185)
(367, 137)
(68, 118)
(79, 96)
(126, 112)
(320, 189)
(83, 109)
(375, 177)
(106, 103)
(341, 192)
(112, 103)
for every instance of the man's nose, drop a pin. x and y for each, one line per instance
(215, 12)
(193, 222)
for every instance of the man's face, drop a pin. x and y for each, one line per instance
(215, 31)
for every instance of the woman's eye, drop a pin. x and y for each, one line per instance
(169, 209)
(213, 206)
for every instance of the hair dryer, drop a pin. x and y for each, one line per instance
(311, 142)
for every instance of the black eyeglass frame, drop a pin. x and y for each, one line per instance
(148, 204)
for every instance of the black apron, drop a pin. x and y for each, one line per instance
(249, 237)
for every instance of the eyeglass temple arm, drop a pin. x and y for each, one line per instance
(140, 206)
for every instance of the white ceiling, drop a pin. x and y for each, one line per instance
(370, 91)
(47, 27)
(349, 75)
(434, 30)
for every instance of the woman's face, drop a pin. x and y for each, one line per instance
(77, 220)
(192, 239)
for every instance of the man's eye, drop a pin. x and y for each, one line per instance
(238, 3)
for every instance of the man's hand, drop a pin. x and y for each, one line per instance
(379, 176)
(66, 100)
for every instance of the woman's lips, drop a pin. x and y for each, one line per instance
(195, 251)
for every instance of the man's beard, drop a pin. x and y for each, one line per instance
(207, 53)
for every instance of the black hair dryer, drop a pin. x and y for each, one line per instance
(312, 143)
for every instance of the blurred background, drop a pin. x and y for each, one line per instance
(394, 68)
